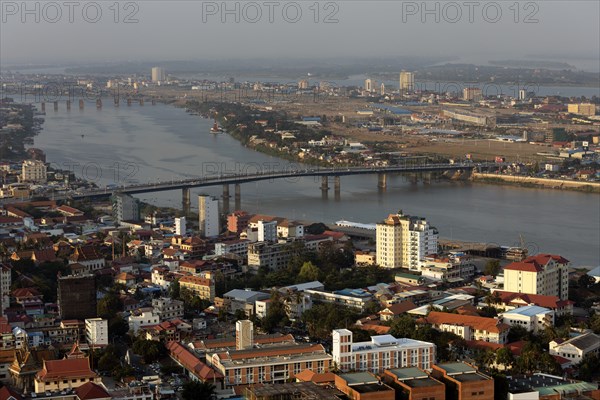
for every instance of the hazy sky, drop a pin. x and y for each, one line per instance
(167, 30)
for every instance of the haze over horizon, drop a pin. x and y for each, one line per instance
(182, 30)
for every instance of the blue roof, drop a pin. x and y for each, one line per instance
(353, 292)
(392, 109)
(528, 310)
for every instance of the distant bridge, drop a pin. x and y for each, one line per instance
(237, 179)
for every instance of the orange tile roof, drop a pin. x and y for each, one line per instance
(543, 259)
(192, 363)
(480, 323)
(309, 375)
(91, 391)
(66, 368)
(531, 266)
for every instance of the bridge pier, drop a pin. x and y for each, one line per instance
(56, 106)
(128, 102)
(337, 184)
(68, 105)
(141, 102)
(116, 101)
(185, 201)
(324, 186)
(43, 107)
(81, 103)
(382, 181)
(226, 198)
(99, 103)
(238, 196)
(153, 102)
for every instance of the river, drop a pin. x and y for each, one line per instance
(152, 143)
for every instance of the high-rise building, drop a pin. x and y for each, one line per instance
(125, 207)
(472, 94)
(244, 334)
(543, 274)
(403, 241)
(77, 297)
(96, 332)
(208, 213)
(237, 221)
(368, 85)
(158, 74)
(34, 171)
(407, 81)
(267, 231)
(180, 226)
(5, 282)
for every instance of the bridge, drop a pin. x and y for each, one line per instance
(237, 179)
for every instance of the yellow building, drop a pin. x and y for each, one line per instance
(543, 274)
(586, 109)
(200, 286)
(403, 241)
(407, 81)
(68, 373)
(33, 171)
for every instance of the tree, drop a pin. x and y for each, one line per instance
(492, 267)
(193, 390)
(403, 327)
(276, 313)
(308, 273)
(585, 281)
(505, 357)
(150, 350)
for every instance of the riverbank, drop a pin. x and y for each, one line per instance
(540, 183)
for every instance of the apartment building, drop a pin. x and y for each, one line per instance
(145, 318)
(463, 381)
(355, 298)
(544, 274)
(96, 331)
(237, 247)
(34, 171)
(199, 286)
(167, 308)
(5, 282)
(265, 255)
(380, 353)
(469, 327)
(585, 109)
(403, 241)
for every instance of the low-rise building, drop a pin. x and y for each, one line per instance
(463, 381)
(532, 318)
(469, 327)
(577, 348)
(380, 353)
(415, 384)
(199, 286)
(364, 386)
(167, 308)
(354, 298)
(548, 387)
(145, 318)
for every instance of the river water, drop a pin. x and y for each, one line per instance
(158, 143)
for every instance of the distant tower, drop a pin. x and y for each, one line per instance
(368, 85)
(180, 226)
(208, 212)
(158, 74)
(522, 94)
(244, 334)
(407, 81)
(382, 89)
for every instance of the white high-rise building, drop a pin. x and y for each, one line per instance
(543, 274)
(267, 231)
(407, 81)
(96, 331)
(180, 226)
(244, 334)
(368, 85)
(403, 241)
(158, 74)
(208, 212)
(125, 207)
